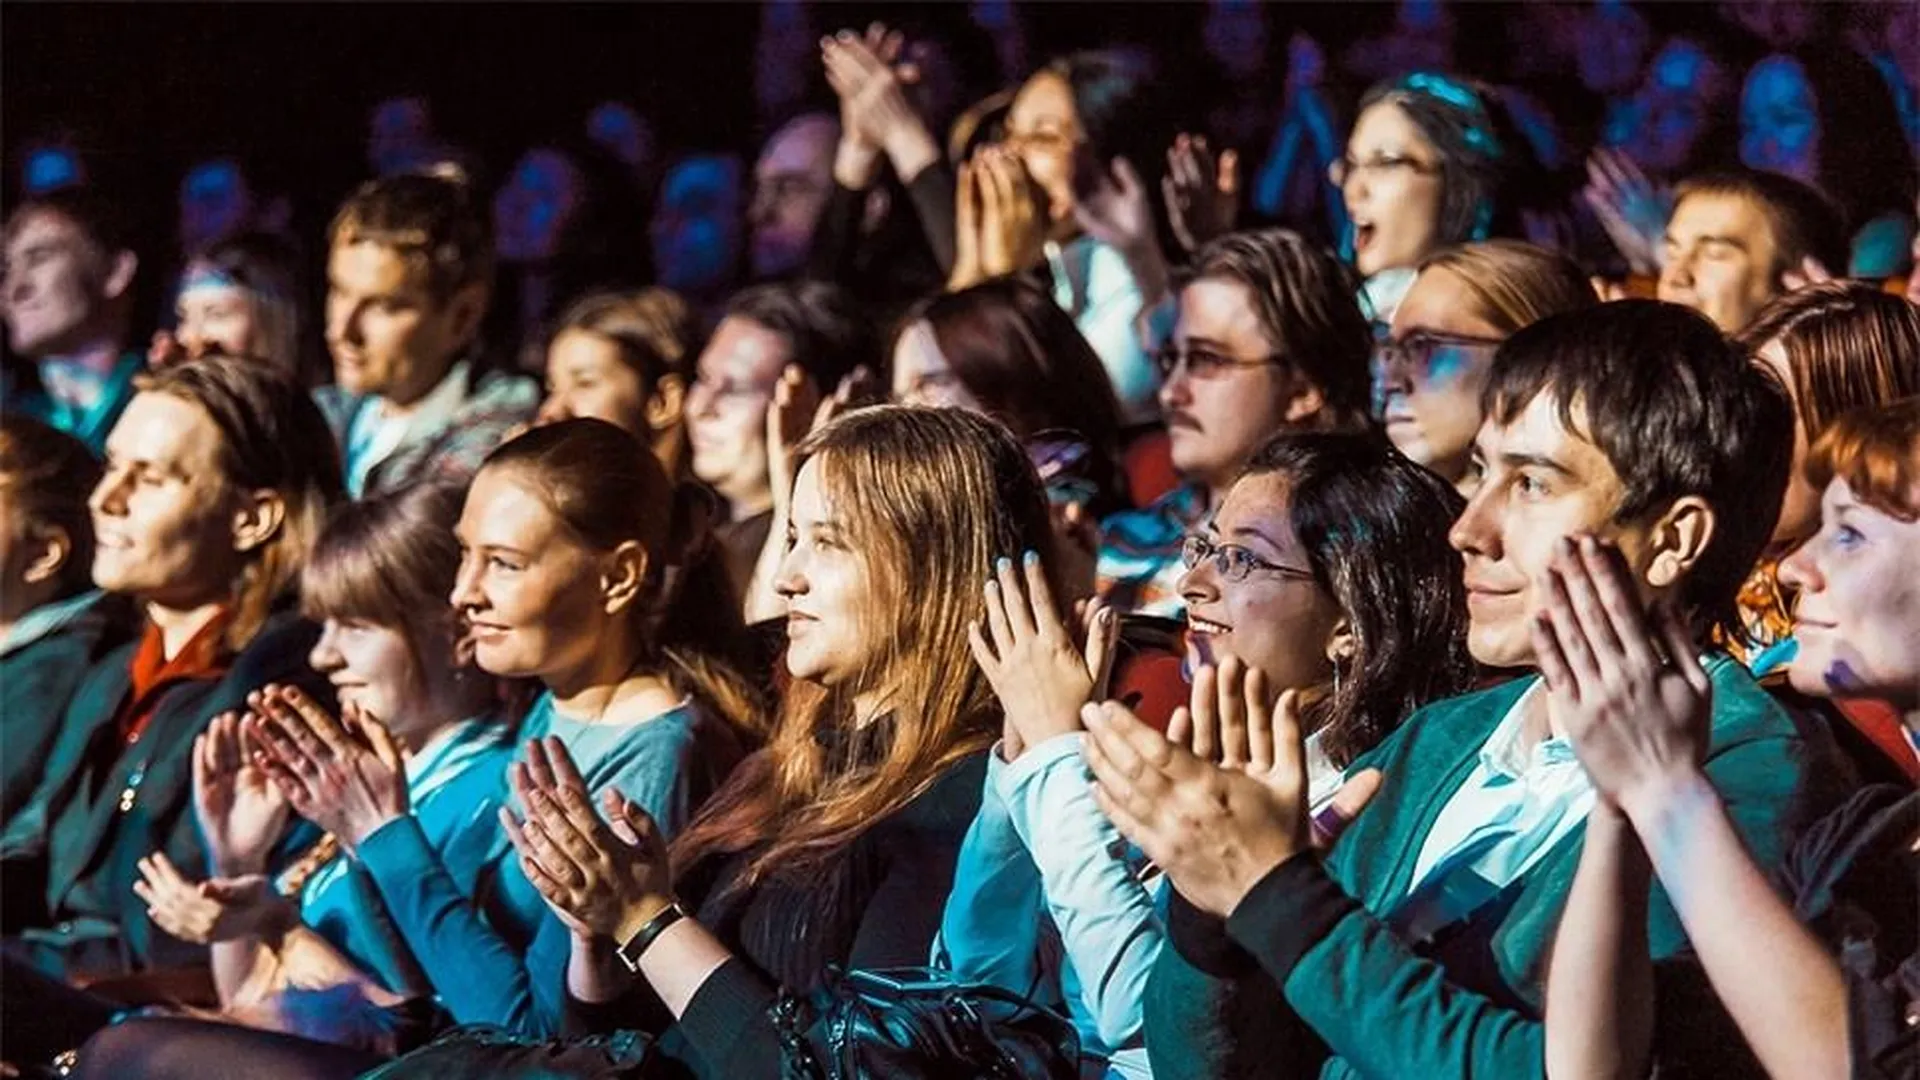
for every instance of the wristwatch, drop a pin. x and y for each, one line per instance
(631, 950)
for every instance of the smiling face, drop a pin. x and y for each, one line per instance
(1392, 190)
(587, 377)
(1279, 624)
(828, 588)
(389, 335)
(1718, 258)
(1428, 389)
(372, 667)
(1043, 128)
(164, 517)
(1539, 483)
(217, 316)
(1857, 618)
(528, 588)
(57, 287)
(1221, 414)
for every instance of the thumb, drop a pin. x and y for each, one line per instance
(1353, 797)
(1228, 180)
(381, 741)
(1102, 633)
(1125, 178)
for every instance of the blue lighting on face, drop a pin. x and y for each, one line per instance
(1779, 125)
(696, 227)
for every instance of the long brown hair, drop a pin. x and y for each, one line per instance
(607, 490)
(1515, 284)
(932, 497)
(1848, 346)
(273, 437)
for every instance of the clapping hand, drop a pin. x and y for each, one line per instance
(1040, 676)
(603, 877)
(1628, 206)
(1625, 687)
(240, 811)
(221, 909)
(348, 778)
(1202, 191)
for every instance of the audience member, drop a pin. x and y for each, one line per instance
(1806, 957)
(1413, 947)
(792, 184)
(409, 272)
(54, 625)
(1269, 339)
(1324, 558)
(243, 296)
(626, 358)
(217, 480)
(1736, 240)
(67, 299)
(695, 232)
(1429, 370)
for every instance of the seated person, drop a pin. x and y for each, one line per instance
(1428, 372)
(1808, 957)
(813, 327)
(218, 477)
(626, 358)
(409, 271)
(1269, 339)
(1735, 239)
(1326, 571)
(1416, 947)
(54, 625)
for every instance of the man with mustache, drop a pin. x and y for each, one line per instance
(1269, 339)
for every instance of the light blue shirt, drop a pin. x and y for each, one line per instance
(1040, 843)
(1512, 809)
(1092, 283)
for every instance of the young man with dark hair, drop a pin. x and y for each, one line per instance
(815, 327)
(67, 301)
(1417, 948)
(1735, 237)
(409, 273)
(1269, 339)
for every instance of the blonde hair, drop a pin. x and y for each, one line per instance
(1515, 284)
(932, 497)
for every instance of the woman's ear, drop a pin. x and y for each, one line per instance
(667, 405)
(623, 576)
(1678, 540)
(1342, 645)
(259, 519)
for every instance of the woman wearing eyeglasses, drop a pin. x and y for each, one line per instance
(1269, 339)
(1427, 372)
(1325, 570)
(1431, 161)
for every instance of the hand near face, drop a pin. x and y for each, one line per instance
(1628, 690)
(875, 113)
(798, 410)
(1629, 207)
(221, 909)
(1012, 217)
(606, 877)
(1115, 210)
(1040, 676)
(240, 811)
(349, 778)
(1216, 831)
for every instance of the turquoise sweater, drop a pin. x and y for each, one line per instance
(1308, 979)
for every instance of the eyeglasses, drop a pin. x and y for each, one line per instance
(1233, 562)
(1341, 169)
(1417, 351)
(1204, 363)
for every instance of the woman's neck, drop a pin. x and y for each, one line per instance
(590, 692)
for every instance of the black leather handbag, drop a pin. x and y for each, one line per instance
(920, 1024)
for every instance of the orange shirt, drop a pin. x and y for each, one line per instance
(205, 656)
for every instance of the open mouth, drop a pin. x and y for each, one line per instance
(1206, 626)
(1362, 236)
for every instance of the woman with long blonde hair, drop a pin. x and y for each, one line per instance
(834, 846)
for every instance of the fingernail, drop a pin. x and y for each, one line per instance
(1004, 563)
(1032, 558)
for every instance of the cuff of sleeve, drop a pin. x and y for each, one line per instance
(396, 848)
(1287, 913)
(727, 1006)
(1013, 776)
(1201, 940)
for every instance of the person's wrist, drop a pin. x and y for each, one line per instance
(855, 163)
(637, 915)
(911, 150)
(1653, 801)
(360, 829)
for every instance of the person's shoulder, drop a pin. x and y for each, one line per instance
(1745, 710)
(498, 390)
(1466, 719)
(951, 802)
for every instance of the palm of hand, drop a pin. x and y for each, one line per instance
(1636, 729)
(242, 813)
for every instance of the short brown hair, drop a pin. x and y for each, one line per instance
(1515, 284)
(51, 474)
(430, 220)
(1305, 299)
(1877, 452)
(272, 436)
(391, 561)
(1804, 222)
(1848, 346)
(652, 329)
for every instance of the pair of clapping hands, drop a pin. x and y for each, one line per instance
(287, 754)
(1221, 799)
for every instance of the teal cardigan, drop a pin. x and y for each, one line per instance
(1308, 979)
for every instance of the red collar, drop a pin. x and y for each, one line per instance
(205, 656)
